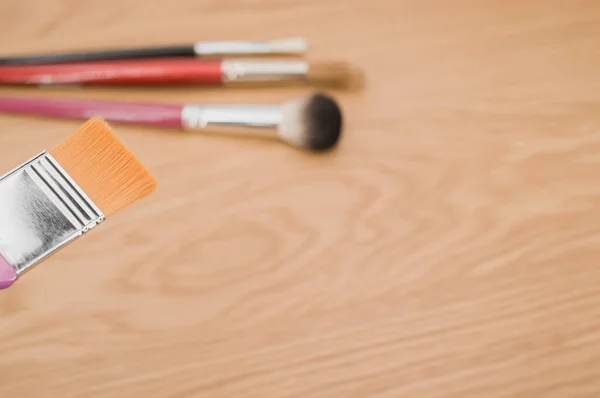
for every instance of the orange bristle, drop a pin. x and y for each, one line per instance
(110, 175)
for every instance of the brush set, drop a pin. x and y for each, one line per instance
(55, 197)
(208, 63)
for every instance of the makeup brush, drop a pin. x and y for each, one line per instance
(313, 123)
(57, 196)
(199, 49)
(182, 71)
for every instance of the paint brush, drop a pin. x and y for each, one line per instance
(200, 49)
(57, 196)
(184, 71)
(312, 123)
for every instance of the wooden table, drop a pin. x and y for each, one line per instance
(449, 248)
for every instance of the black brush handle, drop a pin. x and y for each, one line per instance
(158, 52)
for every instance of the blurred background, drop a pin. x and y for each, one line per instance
(448, 247)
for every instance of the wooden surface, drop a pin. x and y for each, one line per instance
(450, 247)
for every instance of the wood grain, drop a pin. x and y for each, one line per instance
(448, 249)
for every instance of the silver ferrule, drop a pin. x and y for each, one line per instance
(263, 70)
(41, 210)
(221, 48)
(251, 116)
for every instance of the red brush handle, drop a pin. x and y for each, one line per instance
(152, 71)
(123, 112)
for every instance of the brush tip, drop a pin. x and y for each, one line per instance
(111, 176)
(313, 123)
(342, 75)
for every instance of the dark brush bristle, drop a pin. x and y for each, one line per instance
(323, 122)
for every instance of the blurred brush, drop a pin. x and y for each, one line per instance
(199, 49)
(184, 71)
(313, 123)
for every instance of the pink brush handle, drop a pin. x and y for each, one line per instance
(8, 275)
(123, 112)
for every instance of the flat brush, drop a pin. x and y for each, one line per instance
(199, 49)
(313, 123)
(57, 196)
(181, 71)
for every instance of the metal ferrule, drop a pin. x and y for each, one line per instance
(283, 46)
(41, 210)
(254, 116)
(263, 70)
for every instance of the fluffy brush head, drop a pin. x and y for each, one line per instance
(313, 123)
(110, 175)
